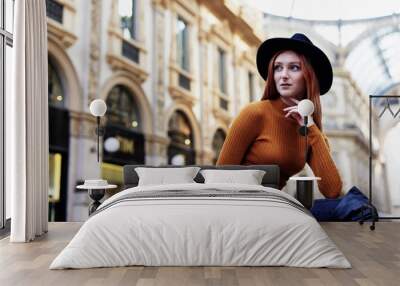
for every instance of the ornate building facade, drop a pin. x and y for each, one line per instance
(173, 73)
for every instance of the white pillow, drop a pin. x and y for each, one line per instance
(249, 177)
(163, 176)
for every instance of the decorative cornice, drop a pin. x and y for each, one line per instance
(120, 63)
(175, 68)
(59, 32)
(164, 4)
(222, 32)
(181, 95)
(190, 6)
(115, 32)
(224, 9)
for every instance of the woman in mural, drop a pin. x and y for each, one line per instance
(267, 131)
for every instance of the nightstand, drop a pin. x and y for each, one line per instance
(96, 190)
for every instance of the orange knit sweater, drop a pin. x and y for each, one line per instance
(261, 135)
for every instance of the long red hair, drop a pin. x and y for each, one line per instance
(312, 86)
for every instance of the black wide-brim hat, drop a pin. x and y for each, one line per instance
(303, 45)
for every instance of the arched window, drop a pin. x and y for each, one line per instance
(218, 141)
(55, 87)
(122, 109)
(179, 129)
(59, 124)
(181, 146)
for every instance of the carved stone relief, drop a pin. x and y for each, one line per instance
(160, 64)
(95, 45)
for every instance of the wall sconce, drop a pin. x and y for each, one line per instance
(98, 108)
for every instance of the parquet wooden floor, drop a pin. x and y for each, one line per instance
(374, 255)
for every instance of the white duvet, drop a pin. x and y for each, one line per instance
(183, 231)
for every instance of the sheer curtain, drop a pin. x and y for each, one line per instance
(27, 123)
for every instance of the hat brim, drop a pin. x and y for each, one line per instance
(318, 59)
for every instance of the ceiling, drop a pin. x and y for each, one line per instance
(369, 36)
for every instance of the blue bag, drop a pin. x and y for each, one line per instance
(351, 207)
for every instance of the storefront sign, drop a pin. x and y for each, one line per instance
(131, 146)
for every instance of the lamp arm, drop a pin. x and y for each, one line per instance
(306, 135)
(98, 138)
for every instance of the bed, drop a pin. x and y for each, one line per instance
(201, 224)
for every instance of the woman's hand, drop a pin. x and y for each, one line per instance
(293, 112)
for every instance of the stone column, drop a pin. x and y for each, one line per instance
(205, 155)
(157, 143)
(94, 50)
(156, 150)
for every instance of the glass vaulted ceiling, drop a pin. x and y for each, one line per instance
(374, 62)
(367, 30)
(326, 9)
